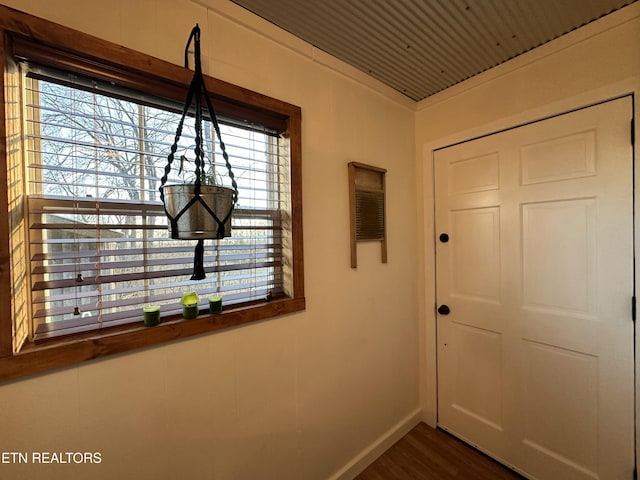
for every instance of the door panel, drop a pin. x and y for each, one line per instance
(475, 262)
(558, 256)
(535, 358)
(578, 373)
(479, 375)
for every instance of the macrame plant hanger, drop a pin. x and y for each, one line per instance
(197, 91)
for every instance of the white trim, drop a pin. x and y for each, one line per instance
(367, 456)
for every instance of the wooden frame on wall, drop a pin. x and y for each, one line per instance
(367, 209)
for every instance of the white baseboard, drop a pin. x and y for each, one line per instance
(367, 456)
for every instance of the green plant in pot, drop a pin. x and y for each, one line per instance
(189, 304)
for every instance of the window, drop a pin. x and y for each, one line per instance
(98, 241)
(87, 236)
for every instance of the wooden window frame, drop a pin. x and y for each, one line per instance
(26, 36)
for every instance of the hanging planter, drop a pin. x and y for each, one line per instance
(200, 209)
(198, 218)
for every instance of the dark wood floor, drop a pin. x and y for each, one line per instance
(429, 454)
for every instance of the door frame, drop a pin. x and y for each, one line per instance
(428, 345)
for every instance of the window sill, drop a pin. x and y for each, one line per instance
(63, 352)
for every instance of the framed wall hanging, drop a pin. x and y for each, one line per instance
(367, 208)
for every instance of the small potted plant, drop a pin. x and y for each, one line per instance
(151, 314)
(215, 304)
(189, 304)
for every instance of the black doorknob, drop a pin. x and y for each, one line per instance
(444, 238)
(444, 310)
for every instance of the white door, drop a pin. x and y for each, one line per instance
(535, 357)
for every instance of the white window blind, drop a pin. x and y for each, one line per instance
(98, 237)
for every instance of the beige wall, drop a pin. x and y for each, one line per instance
(299, 397)
(594, 63)
(308, 395)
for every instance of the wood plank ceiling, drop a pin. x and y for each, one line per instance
(420, 47)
